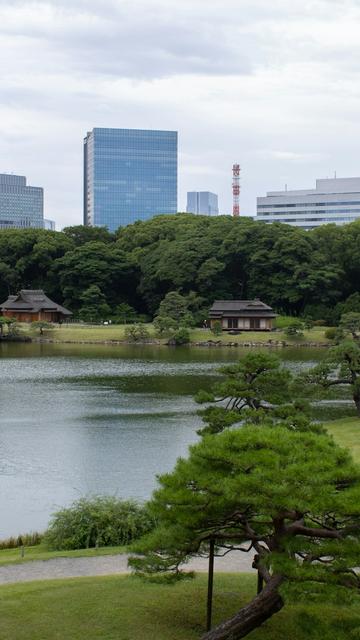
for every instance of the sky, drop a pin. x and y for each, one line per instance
(274, 86)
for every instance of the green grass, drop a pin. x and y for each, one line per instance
(126, 608)
(346, 432)
(104, 333)
(40, 552)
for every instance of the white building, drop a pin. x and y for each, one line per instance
(335, 200)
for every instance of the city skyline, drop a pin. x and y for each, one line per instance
(129, 175)
(265, 86)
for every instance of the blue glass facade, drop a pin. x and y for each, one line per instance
(203, 202)
(21, 206)
(129, 175)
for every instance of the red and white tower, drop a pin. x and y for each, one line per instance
(236, 189)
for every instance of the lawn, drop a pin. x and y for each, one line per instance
(102, 333)
(346, 432)
(126, 608)
(40, 552)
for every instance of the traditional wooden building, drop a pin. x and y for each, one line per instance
(244, 315)
(30, 305)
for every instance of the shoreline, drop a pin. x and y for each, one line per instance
(279, 344)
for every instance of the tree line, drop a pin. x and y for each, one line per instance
(301, 273)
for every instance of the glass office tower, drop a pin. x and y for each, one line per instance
(203, 202)
(21, 206)
(129, 175)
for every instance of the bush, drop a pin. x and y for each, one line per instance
(181, 336)
(330, 333)
(320, 323)
(98, 521)
(26, 539)
(216, 328)
(294, 330)
(136, 333)
(164, 325)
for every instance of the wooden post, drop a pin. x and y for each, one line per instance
(210, 584)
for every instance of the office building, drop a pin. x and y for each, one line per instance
(203, 202)
(129, 175)
(21, 206)
(335, 200)
(49, 225)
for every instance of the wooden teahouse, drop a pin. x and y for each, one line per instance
(30, 305)
(242, 315)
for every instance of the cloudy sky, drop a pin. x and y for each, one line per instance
(273, 85)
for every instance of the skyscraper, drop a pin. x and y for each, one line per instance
(203, 202)
(21, 206)
(129, 175)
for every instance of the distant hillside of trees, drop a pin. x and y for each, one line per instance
(313, 273)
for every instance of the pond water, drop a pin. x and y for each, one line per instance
(84, 419)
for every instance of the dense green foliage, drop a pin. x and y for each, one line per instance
(99, 521)
(291, 497)
(309, 273)
(256, 390)
(340, 367)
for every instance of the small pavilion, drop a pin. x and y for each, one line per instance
(30, 305)
(245, 315)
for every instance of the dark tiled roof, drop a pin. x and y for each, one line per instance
(231, 308)
(32, 300)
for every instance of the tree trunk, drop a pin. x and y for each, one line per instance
(356, 397)
(262, 607)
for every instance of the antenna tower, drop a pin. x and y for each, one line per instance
(236, 189)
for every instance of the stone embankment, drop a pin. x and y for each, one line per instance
(205, 343)
(269, 343)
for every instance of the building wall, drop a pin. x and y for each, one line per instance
(244, 324)
(202, 202)
(26, 316)
(129, 175)
(21, 206)
(332, 201)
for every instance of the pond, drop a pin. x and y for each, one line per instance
(85, 419)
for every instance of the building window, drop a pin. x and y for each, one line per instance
(232, 323)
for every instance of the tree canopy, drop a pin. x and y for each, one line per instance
(291, 498)
(314, 273)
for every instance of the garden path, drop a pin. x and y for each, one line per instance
(106, 565)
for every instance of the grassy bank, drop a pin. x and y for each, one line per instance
(107, 333)
(125, 608)
(40, 552)
(346, 432)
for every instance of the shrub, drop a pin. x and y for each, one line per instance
(319, 323)
(295, 329)
(97, 521)
(330, 333)
(26, 539)
(136, 333)
(181, 336)
(164, 325)
(216, 328)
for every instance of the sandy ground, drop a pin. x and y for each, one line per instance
(106, 565)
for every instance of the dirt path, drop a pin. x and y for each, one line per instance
(105, 565)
